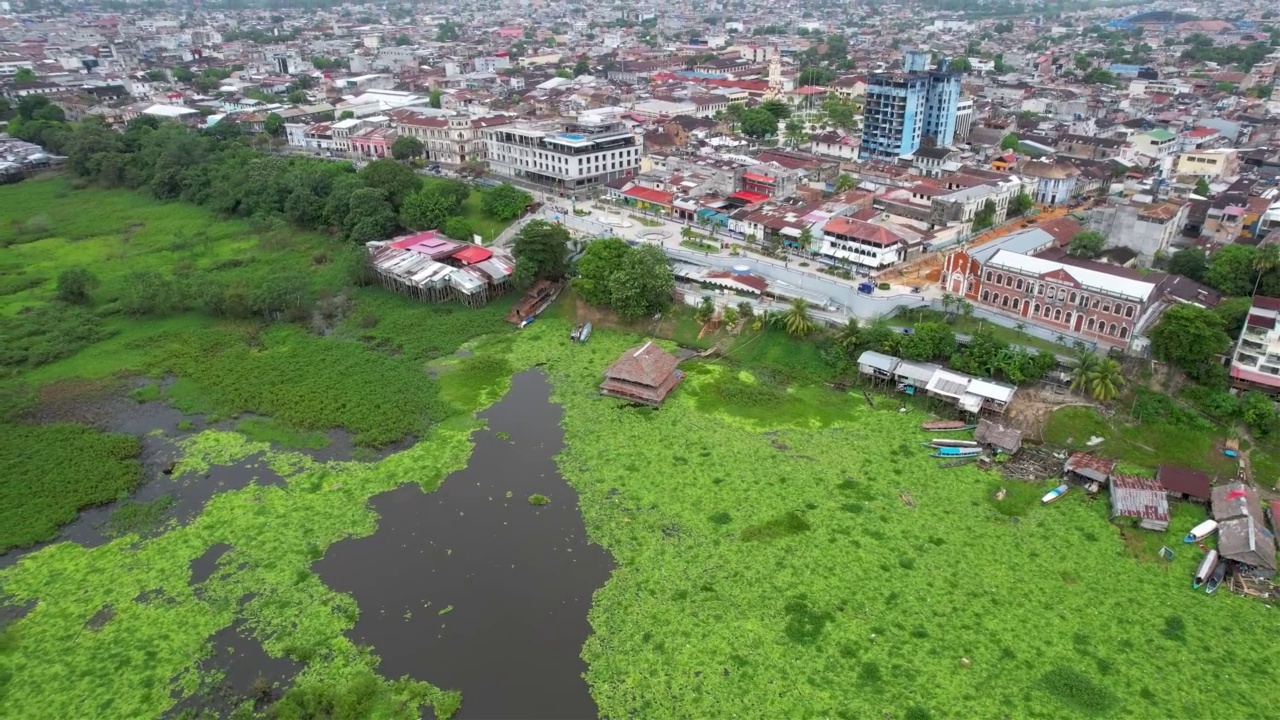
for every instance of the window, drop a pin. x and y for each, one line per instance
(986, 295)
(1040, 288)
(1036, 310)
(1004, 301)
(1046, 311)
(1091, 324)
(1057, 315)
(1128, 311)
(1072, 299)
(1019, 283)
(1008, 281)
(1067, 319)
(1053, 292)
(1124, 332)
(1111, 330)
(1016, 303)
(1095, 303)
(999, 278)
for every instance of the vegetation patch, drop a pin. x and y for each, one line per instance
(137, 517)
(784, 525)
(536, 499)
(1078, 691)
(270, 431)
(49, 472)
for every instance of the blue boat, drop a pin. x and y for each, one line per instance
(957, 452)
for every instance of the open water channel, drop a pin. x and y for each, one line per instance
(471, 587)
(517, 577)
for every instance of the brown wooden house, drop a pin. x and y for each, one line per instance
(644, 374)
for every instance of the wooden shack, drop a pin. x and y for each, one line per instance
(1140, 498)
(994, 435)
(1089, 468)
(644, 374)
(1242, 536)
(1184, 483)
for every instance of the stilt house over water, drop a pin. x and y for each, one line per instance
(644, 374)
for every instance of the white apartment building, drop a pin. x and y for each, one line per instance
(1255, 364)
(568, 154)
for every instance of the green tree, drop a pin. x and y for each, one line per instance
(433, 99)
(928, 341)
(541, 250)
(505, 202)
(1010, 142)
(75, 285)
(274, 124)
(1258, 412)
(1232, 312)
(1202, 188)
(1100, 377)
(146, 292)
(1087, 244)
(1190, 262)
(1231, 269)
(581, 67)
(795, 132)
(397, 181)
(1023, 204)
(796, 320)
(370, 216)
(24, 75)
(758, 123)
(296, 97)
(960, 65)
(601, 259)
(402, 40)
(1189, 336)
(407, 147)
(428, 209)
(777, 108)
(985, 217)
(458, 228)
(845, 182)
(447, 32)
(643, 285)
(1265, 259)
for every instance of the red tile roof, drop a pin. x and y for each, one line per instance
(750, 197)
(472, 254)
(758, 178)
(1266, 303)
(862, 231)
(649, 195)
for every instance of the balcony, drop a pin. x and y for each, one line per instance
(1247, 360)
(1257, 347)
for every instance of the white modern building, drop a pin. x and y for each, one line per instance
(569, 155)
(1255, 364)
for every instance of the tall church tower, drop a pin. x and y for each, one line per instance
(775, 88)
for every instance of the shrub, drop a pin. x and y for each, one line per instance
(536, 499)
(75, 285)
(883, 286)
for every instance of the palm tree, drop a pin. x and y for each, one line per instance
(1085, 360)
(1105, 379)
(796, 320)
(1021, 327)
(1060, 339)
(948, 301)
(795, 132)
(966, 308)
(845, 182)
(1266, 260)
(847, 336)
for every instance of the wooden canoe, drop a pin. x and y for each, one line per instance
(945, 425)
(1215, 580)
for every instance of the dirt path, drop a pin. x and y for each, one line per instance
(1031, 408)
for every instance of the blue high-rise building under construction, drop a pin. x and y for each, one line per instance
(904, 108)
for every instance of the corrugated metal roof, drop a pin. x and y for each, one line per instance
(948, 383)
(1138, 497)
(879, 361)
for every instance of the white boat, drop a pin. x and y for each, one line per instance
(1201, 531)
(1055, 493)
(1205, 571)
(943, 442)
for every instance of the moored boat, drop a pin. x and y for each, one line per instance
(1215, 580)
(1201, 531)
(956, 452)
(1055, 493)
(944, 442)
(575, 334)
(945, 425)
(1207, 567)
(585, 332)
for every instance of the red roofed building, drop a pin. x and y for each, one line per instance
(863, 243)
(644, 374)
(645, 198)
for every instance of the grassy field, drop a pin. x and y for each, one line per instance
(483, 225)
(1145, 445)
(782, 549)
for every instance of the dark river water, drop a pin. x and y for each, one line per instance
(517, 577)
